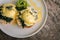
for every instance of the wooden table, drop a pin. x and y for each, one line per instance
(51, 30)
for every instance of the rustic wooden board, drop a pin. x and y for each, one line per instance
(51, 30)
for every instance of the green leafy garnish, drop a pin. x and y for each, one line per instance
(7, 19)
(22, 4)
(1, 8)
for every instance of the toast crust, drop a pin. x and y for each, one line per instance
(4, 22)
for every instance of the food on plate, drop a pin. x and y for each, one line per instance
(8, 13)
(20, 13)
(28, 17)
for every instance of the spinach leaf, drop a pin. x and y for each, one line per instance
(7, 19)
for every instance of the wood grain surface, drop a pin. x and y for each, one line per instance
(51, 30)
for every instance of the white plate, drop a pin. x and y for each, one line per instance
(15, 31)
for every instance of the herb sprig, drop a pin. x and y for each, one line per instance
(21, 4)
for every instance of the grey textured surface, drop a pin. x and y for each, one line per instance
(51, 30)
